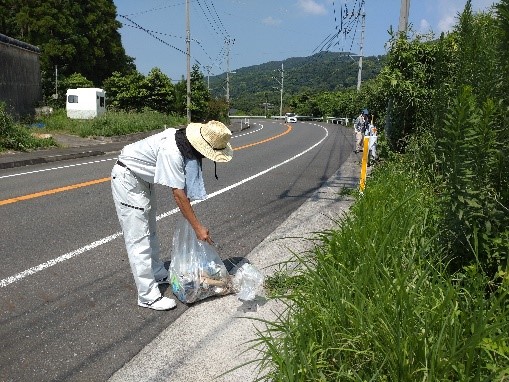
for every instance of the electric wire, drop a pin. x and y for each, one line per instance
(346, 21)
(150, 33)
(211, 16)
(153, 10)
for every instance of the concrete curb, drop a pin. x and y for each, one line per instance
(20, 162)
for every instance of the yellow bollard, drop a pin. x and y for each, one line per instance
(364, 165)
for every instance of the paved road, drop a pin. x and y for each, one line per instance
(68, 303)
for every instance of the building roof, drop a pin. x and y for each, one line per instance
(20, 44)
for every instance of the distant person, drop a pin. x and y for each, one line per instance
(373, 138)
(358, 128)
(172, 158)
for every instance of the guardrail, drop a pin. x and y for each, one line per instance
(308, 118)
(246, 116)
(337, 120)
(333, 120)
(300, 117)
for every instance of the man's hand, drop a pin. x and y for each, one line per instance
(202, 233)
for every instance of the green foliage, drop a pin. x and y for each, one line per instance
(126, 92)
(408, 83)
(112, 123)
(374, 301)
(502, 9)
(469, 163)
(17, 137)
(135, 92)
(477, 56)
(77, 37)
(76, 80)
(200, 96)
(217, 110)
(160, 92)
(330, 72)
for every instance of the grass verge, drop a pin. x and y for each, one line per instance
(374, 301)
(24, 137)
(110, 124)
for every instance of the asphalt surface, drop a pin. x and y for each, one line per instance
(211, 340)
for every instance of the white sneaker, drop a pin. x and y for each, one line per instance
(162, 303)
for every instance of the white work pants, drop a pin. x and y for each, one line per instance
(135, 203)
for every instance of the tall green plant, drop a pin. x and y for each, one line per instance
(501, 176)
(467, 159)
(478, 51)
(408, 83)
(374, 302)
(502, 10)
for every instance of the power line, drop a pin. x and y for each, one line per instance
(151, 33)
(153, 10)
(223, 32)
(212, 18)
(345, 21)
(169, 35)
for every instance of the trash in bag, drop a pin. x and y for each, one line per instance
(196, 270)
(247, 281)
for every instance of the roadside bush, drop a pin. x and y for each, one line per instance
(111, 123)
(469, 163)
(14, 136)
(374, 300)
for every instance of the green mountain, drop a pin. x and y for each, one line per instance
(252, 86)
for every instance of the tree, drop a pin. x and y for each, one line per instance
(160, 92)
(76, 80)
(76, 37)
(126, 92)
(200, 95)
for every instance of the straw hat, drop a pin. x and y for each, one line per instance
(211, 139)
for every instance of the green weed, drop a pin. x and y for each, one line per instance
(374, 301)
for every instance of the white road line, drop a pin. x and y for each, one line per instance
(57, 168)
(249, 132)
(19, 276)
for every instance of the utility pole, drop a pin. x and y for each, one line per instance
(56, 82)
(282, 81)
(281, 89)
(228, 74)
(188, 54)
(359, 74)
(403, 16)
(228, 42)
(208, 67)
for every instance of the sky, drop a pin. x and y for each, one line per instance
(227, 35)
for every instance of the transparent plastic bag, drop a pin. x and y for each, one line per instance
(196, 269)
(247, 282)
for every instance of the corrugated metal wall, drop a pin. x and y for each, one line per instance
(20, 76)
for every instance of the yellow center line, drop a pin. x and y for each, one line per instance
(53, 191)
(289, 128)
(102, 180)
